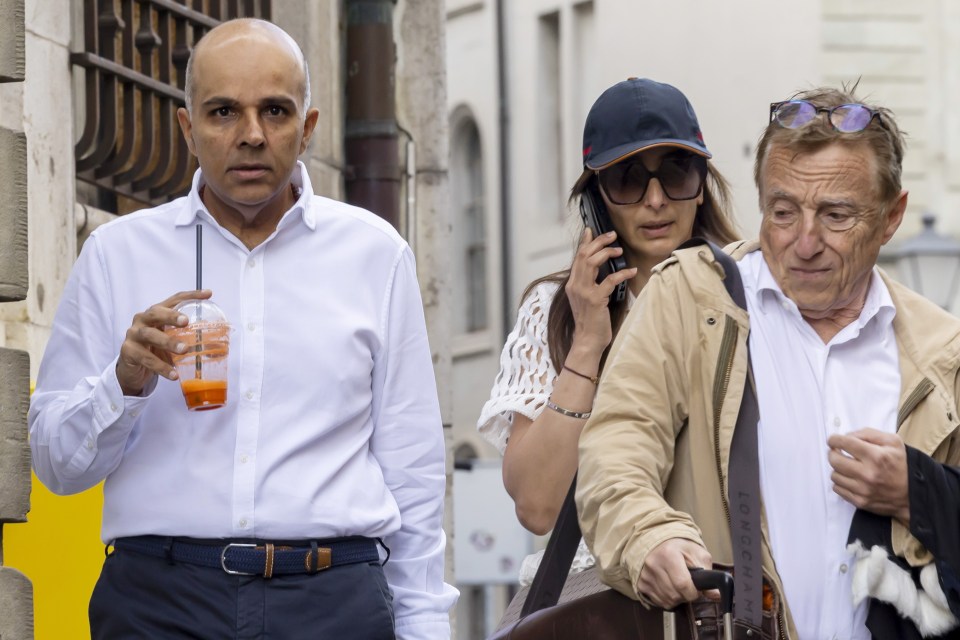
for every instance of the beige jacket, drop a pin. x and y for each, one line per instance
(653, 458)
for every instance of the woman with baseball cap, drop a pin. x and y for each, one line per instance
(648, 185)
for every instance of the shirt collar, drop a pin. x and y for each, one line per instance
(300, 210)
(878, 303)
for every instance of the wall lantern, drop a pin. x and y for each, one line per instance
(929, 263)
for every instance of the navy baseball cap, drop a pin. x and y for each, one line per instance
(635, 115)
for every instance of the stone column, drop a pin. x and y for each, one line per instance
(16, 592)
(315, 25)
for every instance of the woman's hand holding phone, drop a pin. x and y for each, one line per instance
(589, 300)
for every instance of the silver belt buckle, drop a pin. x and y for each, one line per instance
(223, 559)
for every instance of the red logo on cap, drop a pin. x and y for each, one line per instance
(587, 150)
(699, 136)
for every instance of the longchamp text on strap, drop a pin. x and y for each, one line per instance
(743, 476)
(604, 613)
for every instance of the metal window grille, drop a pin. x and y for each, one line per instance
(133, 64)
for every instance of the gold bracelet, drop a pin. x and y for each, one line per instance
(579, 415)
(594, 379)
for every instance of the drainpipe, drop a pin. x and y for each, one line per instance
(508, 307)
(372, 176)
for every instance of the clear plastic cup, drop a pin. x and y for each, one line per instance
(202, 366)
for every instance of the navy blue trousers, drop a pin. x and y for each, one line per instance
(140, 596)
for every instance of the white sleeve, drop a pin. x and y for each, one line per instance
(79, 418)
(408, 443)
(526, 374)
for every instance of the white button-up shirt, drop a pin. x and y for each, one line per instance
(808, 390)
(331, 427)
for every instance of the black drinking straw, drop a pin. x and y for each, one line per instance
(199, 256)
(199, 261)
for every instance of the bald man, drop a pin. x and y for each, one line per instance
(310, 505)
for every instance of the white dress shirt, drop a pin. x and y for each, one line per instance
(806, 391)
(331, 427)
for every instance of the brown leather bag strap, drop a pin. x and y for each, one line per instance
(743, 478)
(557, 558)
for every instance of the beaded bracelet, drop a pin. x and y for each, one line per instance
(594, 379)
(579, 415)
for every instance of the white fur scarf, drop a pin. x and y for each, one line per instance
(876, 576)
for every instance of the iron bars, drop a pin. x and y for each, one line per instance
(133, 80)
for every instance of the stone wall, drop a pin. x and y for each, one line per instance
(16, 592)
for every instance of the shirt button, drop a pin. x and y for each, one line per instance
(251, 326)
(785, 305)
(843, 568)
(113, 407)
(249, 395)
(89, 444)
(251, 263)
(836, 422)
(243, 459)
(243, 523)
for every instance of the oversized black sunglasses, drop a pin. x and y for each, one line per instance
(681, 177)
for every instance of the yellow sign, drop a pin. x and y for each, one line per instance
(59, 550)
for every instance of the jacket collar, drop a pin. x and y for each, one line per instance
(928, 345)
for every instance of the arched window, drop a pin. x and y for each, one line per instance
(469, 228)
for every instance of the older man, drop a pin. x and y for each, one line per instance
(857, 386)
(309, 506)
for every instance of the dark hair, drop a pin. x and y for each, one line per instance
(711, 221)
(884, 137)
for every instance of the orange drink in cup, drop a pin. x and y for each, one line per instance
(202, 366)
(204, 394)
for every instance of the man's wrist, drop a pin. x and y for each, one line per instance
(127, 389)
(131, 393)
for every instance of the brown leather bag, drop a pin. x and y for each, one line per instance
(558, 606)
(587, 609)
(609, 615)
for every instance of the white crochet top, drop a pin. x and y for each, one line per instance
(523, 385)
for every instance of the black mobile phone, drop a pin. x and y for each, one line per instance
(595, 216)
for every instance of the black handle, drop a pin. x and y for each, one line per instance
(704, 579)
